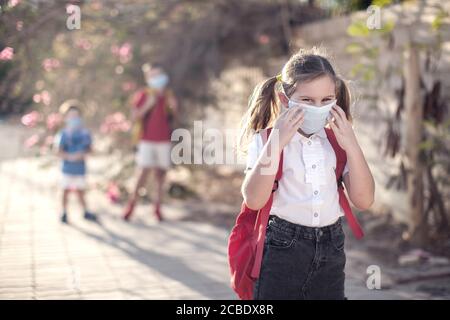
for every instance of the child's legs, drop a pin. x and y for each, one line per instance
(81, 198)
(65, 199)
(142, 178)
(160, 178)
(163, 161)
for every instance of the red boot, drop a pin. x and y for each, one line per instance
(129, 210)
(158, 213)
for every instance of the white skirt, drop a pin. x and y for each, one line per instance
(154, 154)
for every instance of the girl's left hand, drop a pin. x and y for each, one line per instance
(342, 129)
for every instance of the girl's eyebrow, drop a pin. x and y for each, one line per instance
(330, 96)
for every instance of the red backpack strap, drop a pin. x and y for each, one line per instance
(263, 214)
(341, 160)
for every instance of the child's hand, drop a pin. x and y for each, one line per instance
(342, 129)
(288, 123)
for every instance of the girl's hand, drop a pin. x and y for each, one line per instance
(342, 129)
(288, 123)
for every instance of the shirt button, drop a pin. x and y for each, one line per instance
(309, 143)
(316, 192)
(316, 214)
(313, 166)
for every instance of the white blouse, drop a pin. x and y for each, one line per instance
(307, 192)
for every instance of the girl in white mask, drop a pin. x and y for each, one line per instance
(303, 255)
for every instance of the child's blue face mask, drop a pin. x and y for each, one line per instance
(74, 123)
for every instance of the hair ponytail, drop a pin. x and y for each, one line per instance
(262, 108)
(343, 97)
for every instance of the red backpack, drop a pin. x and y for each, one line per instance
(246, 241)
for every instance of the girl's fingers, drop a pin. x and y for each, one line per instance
(337, 117)
(333, 127)
(340, 111)
(298, 115)
(296, 124)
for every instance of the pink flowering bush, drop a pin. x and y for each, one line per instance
(7, 54)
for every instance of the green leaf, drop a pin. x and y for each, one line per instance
(381, 3)
(387, 27)
(438, 20)
(358, 29)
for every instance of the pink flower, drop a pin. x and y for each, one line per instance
(51, 64)
(54, 120)
(128, 86)
(46, 98)
(83, 44)
(113, 192)
(31, 119)
(263, 39)
(31, 141)
(13, 3)
(124, 52)
(115, 122)
(37, 98)
(7, 54)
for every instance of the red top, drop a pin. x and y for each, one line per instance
(155, 122)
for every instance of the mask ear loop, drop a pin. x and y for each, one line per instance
(278, 77)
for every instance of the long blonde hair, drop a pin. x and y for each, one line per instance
(264, 105)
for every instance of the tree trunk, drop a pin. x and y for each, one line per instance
(414, 132)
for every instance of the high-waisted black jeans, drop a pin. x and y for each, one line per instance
(302, 262)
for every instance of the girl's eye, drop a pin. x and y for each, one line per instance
(306, 99)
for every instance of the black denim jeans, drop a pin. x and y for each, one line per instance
(302, 262)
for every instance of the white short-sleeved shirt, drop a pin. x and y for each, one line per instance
(307, 192)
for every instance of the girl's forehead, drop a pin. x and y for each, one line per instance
(318, 87)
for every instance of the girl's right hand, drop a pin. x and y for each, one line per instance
(287, 123)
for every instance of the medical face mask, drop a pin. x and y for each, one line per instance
(315, 117)
(74, 123)
(158, 82)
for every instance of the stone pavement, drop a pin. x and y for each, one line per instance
(43, 259)
(178, 259)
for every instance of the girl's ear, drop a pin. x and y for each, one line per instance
(283, 99)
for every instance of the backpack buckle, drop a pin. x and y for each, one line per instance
(340, 182)
(275, 186)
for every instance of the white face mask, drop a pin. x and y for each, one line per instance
(158, 82)
(315, 117)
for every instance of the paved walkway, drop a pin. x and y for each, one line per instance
(42, 259)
